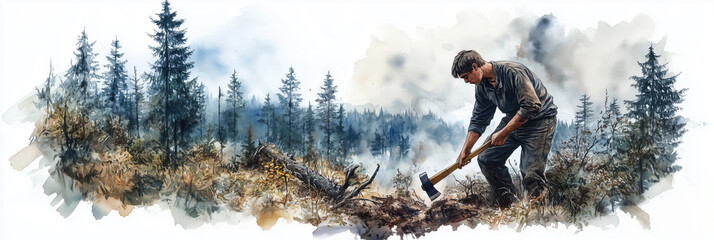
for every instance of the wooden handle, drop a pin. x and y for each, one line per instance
(441, 175)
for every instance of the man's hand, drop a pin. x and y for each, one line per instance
(498, 138)
(462, 159)
(471, 138)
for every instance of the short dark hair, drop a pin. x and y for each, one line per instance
(463, 62)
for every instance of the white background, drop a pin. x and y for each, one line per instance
(33, 32)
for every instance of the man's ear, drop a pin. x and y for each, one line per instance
(474, 66)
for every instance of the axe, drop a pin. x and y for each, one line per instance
(427, 184)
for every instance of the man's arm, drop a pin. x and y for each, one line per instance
(471, 139)
(480, 118)
(498, 138)
(529, 107)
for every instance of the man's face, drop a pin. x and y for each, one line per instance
(473, 77)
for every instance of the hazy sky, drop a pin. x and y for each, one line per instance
(396, 55)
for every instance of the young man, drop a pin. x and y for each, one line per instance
(529, 122)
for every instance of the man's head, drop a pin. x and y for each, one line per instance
(467, 66)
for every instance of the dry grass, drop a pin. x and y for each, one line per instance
(104, 166)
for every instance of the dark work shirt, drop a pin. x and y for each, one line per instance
(517, 91)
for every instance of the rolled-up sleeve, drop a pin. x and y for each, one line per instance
(528, 101)
(482, 113)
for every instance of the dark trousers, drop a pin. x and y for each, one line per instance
(534, 137)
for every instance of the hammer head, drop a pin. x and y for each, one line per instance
(427, 186)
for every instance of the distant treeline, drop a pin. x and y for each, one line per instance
(168, 107)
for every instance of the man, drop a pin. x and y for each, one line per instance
(529, 122)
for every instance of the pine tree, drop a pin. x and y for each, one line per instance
(221, 132)
(392, 134)
(310, 156)
(609, 125)
(169, 112)
(614, 108)
(327, 114)
(340, 133)
(137, 95)
(75, 102)
(267, 117)
(80, 84)
(115, 87)
(202, 100)
(249, 147)
(236, 105)
(195, 112)
(584, 139)
(377, 145)
(44, 94)
(403, 145)
(657, 129)
(308, 123)
(585, 113)
(290, 99)
(385, 135)
(352, 140)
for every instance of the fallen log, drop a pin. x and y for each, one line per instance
(337, 193)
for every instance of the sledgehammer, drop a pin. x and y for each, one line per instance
(427, 184)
